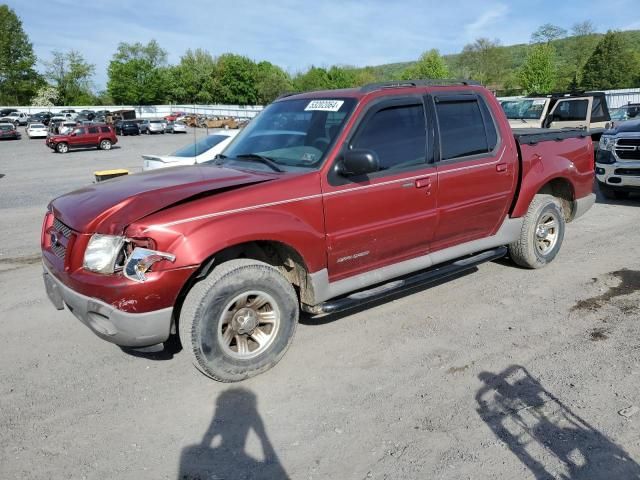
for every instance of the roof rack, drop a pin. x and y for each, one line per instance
(371, 87)
(286, 94)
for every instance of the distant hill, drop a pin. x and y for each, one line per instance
(515, 55)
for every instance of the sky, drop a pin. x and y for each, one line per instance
(297, 34)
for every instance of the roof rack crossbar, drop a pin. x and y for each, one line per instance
(415, 83)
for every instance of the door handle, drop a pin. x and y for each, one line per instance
(423, 182)
(501, 167)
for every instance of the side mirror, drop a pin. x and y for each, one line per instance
(359, 162)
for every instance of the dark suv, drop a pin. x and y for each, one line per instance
(92, 136)
(127, 127)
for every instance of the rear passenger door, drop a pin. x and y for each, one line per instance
(476, 173)
(386, 216)
(93, 136)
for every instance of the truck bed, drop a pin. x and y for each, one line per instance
(531, 136)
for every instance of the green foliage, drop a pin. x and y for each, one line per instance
(430, 65)
(234, 80)
(191, 81)
(483, 60)
(271, 82)
(539, 70)
(71, 76)
(611, 65)
(18, 79)
(46, 96)
(137, 75)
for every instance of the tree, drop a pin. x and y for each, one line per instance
(483, 60)
(71, 76)
(539, 71)
(18, 78)
(46, 96)
(585, 40)
(234, 80)
(547, 33)
(611, 65)
(315, 78)
(271, 82)
(137, 74)
(430, 65)
(192, 79)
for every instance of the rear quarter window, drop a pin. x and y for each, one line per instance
(105, 129)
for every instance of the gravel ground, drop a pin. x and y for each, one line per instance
(502, 373)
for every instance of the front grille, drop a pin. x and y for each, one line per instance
(628, 154)
(629, 141)
(60, 248)
(634, 172)
(628, 148)
(62, 228)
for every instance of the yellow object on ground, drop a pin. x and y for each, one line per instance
(102, 175)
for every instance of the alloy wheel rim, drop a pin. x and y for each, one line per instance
(249, 324)
(546, 234)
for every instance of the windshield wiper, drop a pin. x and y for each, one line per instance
(254, 157)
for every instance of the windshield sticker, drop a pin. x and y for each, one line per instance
(308, 157)
(538, 102)
(324, 105)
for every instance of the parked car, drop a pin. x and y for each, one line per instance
(17, 118)
(101, 136)
(173, 116)
(40, 117)
(66, 127)
(69, 113)
(154, 126)
(176, 127)
(319, 201)
(89, 114)
(127, 127)
(37, 130)
(618, 160)
(6, 111)
(199, 152)
(8, 131)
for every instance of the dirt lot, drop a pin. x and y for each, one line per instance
(503, 373)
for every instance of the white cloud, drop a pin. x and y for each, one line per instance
(484, 22)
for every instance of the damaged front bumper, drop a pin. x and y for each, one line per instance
(109, 323)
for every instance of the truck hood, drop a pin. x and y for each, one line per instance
(108, 207)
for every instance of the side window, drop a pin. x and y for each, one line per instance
(396, 134)
(597, 110)
(79, 131)
(462, 129)
(93, 129)
(104, 129)
(571, 110)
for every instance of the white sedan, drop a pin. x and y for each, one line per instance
(202, 151)
(37, 130)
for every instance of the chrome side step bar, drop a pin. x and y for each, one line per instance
(422, 278)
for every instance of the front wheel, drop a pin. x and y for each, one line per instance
(541, 235)
(105, 145)
(62, 148)
(239, 321)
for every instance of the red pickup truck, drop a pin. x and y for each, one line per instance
(325, 201)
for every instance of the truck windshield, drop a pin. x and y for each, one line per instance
(524, 109)
(292, 133)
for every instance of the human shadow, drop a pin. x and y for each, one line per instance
(222, 452)
(546, 436)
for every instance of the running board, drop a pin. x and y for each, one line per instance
(432, 275)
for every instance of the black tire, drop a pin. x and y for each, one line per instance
(534, 249)
(201, 320)
(62, 147)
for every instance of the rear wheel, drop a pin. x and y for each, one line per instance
(105, 144)
(541, 235)
(239, 321)
(62, 148)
